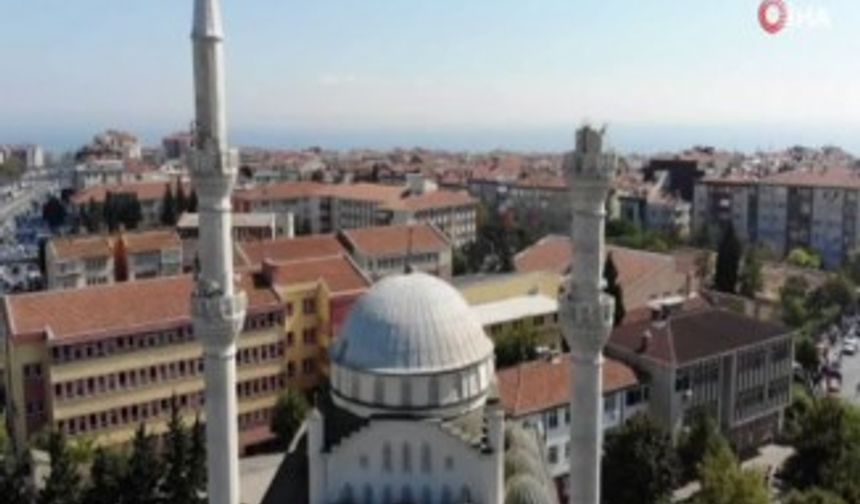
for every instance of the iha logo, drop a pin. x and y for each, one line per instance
(775, 16)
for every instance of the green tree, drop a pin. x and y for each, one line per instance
(828, 443)
(515, 347)
(751, 280)
(792, 301)
(639, 454)
(807, 355)
(290, 411)
(614, 289)
(63, 485)
(106, 476)
(54, 212)
(181, 198)
(94, 217)
(196, 471)
(140, 484)
(851, 269)
(728, 260)
(176, 487)
(168, 207)
(803, 258)
(814, 496)
(14, 474)
(836, 291)
(110, 213)
(724, 482)
(701, 432)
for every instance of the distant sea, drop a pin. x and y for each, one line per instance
(626, 138)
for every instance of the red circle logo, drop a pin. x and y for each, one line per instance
(772, 15)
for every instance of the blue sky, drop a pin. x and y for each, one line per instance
(451, 73)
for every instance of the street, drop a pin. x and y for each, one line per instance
(850, 378)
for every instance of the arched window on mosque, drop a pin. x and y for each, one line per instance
(386, 457)
(465, 494)
(368, 494)
(355, 389)
(406, 494)
(426, 458)
(447, 496)
(346, 494)
(378, 391)
(433, 390)
(406, 391)
(407, 458)
(426, 495)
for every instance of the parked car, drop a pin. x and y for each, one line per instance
(849, 348)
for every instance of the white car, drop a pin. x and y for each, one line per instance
(849, 348)
(851, 340)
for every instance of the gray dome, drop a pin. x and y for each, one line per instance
(525, 489)
(412, 323)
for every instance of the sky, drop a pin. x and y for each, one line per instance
(458, 74)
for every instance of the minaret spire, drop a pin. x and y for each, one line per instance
(218, 311)
(586, 311)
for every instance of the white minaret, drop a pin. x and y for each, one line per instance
(217, 308)
(586, 311)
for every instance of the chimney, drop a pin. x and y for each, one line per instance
(645, 342)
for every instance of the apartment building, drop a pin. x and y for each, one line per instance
(81, 261)
(698, 356)
(246, 226)
(537, 393)
(324, 208)
(383, 250)
(97, 362)
(78, 262)
(815, 209)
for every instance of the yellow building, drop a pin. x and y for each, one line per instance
(98, 361)
(516, 303)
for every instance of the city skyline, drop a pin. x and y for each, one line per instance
(474, 77)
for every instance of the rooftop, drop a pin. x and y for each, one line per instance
(539, 385)
(396, 240)
(151, 240)
(80, 247)
(514, 309)
(289, 249)
(697, 331)
(145, 191)
(251, 219)
(339, 273)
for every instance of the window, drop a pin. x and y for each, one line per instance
(290, 338)
(309, 336)
(289, 309)
(538, 321)
(407, 460)
(291, 369)
(552, 419)
(552, 455)
(308, 366)
(386, 457)
(309, 306)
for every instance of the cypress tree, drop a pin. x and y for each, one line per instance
(196, 472)
(614, 289)
(181, 199)
(728, 260)
(140, 484)
(63, 485)
(192, 202)
(168, 207)
(176, 487)
(106, 476)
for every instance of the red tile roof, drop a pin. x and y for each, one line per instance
(826, 177)
(80, 247)
(543, 384)
(147, 241)
(289, 249)
(116, 308)
(396, 240)
(432, 200)
(339, 273)
(145, 191)
(553, 253)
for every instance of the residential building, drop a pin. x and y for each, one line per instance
(255, 253)
(177, 145)
(383, 250)
(322, 208)
(246, 226)
(814, 208)
(643, 276)
(537, 393)
(29, 155)
(698, 357)
(529, 314)
(80, 261)
(682, 173)
(96, 362)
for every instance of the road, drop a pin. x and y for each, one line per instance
(850, 378)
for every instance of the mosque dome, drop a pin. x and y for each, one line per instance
(411, 344)
(526, 489)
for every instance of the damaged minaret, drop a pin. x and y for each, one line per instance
(586, 311)
(217, 309)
